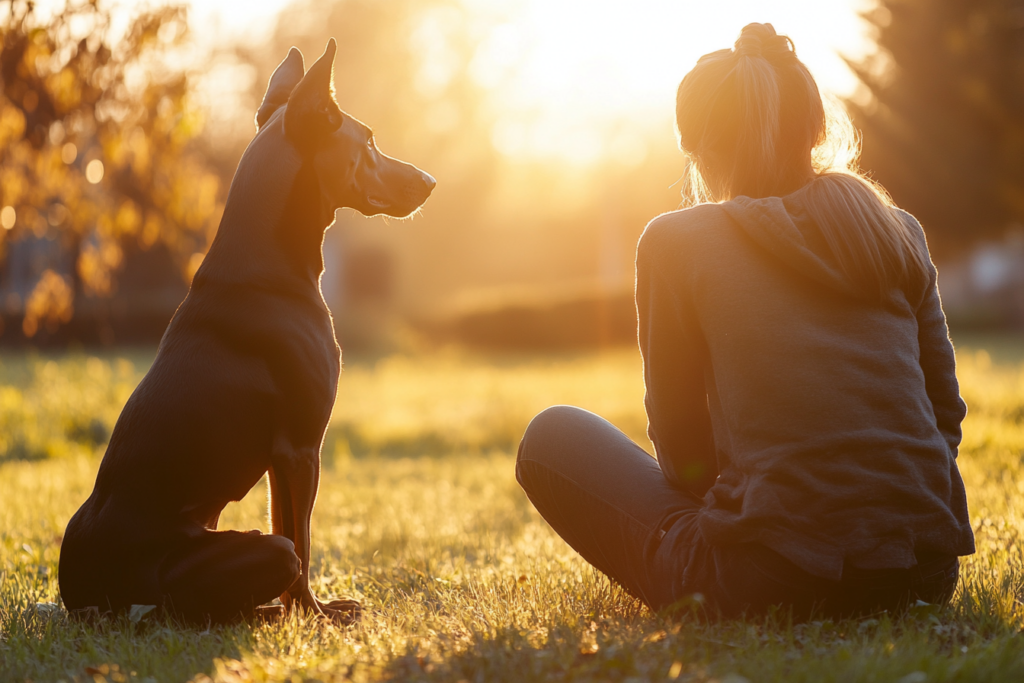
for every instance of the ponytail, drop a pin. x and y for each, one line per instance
(752, 122)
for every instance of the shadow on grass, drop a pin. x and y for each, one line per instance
(38, 644)
(907, 649)
(513, 655)
(346, 439)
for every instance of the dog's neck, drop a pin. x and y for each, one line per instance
(300, 231)
(274, 218)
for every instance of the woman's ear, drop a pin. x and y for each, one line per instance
(311, 104)
(286, 76)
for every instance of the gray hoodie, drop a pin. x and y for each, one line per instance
(811, 419)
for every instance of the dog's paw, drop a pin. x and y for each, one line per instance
(267, 613)
(89, 615)
(343, 611)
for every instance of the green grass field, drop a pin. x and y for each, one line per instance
(419, 515)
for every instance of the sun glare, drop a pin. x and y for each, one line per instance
(212, 19)
(569, 73)
(583, 80)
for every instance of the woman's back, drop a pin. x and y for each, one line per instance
(819, 398)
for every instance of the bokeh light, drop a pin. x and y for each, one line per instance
(8, 217)
(94, 171)
(68, 153)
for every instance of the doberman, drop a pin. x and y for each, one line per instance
(243, 382)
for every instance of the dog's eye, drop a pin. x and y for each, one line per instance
(333, 116)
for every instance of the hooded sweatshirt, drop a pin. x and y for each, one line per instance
(811, 418)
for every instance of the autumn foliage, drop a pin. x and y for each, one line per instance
(97, 147)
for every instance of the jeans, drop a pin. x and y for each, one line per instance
(610, 501)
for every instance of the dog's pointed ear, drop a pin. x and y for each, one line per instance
(286, 76)
(311, 106)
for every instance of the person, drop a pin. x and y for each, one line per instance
(800, 382)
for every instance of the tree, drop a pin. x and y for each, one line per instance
(96, 135)
(944, 128)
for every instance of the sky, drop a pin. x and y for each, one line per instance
(236, 17)
(564, 71)
(638, 45)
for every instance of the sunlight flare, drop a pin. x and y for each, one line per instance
(585, 81)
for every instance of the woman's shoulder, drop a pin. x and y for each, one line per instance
(682, 228)
(689, 219)
(909, 219)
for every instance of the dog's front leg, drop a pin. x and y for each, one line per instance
(294, 478)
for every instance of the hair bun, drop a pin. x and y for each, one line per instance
(761, 40)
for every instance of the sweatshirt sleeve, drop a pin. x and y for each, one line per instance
(673, 350)
(939, 366)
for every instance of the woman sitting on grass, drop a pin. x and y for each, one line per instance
(801, 388)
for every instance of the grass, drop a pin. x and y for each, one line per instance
(461, 578)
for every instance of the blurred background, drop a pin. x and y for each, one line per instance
(548, 124)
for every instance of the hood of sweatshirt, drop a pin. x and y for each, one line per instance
(781, 226)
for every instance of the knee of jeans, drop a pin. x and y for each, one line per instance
(546, 429)
(543, 434)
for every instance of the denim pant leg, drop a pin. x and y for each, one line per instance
(606, 497)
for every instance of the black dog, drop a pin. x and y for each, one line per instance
(243, 382)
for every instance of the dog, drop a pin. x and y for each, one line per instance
(243, 382)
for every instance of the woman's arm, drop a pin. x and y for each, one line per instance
(673, 350)
(939, 366)
(937, 360)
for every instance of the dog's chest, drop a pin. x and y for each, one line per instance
(308, 372)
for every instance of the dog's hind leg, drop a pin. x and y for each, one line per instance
(221, 576)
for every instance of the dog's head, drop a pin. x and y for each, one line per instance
(351, 170)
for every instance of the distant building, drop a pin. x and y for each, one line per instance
(148, 289)
(985, 286)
